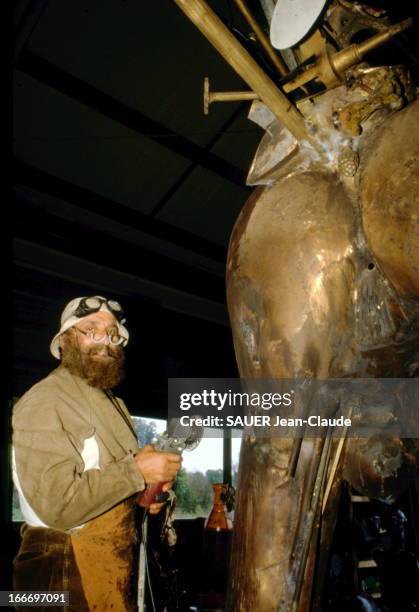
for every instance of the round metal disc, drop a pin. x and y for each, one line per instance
(292, 19)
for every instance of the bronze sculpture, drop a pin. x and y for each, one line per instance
(323, 282)
(315, 290)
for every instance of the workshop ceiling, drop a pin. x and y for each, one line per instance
(108, 96)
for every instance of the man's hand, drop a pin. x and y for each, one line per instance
(156, 466)
(155, 508)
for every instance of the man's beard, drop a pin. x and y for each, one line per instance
(104, 374)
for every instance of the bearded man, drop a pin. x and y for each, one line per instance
(77, 466)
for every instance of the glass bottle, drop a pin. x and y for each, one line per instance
(218, 531)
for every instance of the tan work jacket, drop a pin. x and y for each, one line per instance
(51, 424)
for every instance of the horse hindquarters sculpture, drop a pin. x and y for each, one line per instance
(322, 282)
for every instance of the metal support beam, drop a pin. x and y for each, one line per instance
(27, 14)
(59, 264)
(73, 87)
(185, 175)
(51, 231)
(79, 196)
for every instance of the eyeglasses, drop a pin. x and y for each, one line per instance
(93, 304)
(114, 338)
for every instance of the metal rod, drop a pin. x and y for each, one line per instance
(224, 96)
(223, 40)
(312, 516)
(342, 60)
(262, 38)
(335, 465)
(231, 96)
(353, 54)
(295, 455)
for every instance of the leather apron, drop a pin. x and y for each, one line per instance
(105, 554)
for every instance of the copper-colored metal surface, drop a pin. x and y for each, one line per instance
(322, 283)
(389, 197)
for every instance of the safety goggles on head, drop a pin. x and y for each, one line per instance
(89, 305)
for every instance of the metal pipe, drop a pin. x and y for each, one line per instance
(312, 516)
(262, 38)
(224, 96)
(231, 96)
(353, 54)
(223, 40)
(335, 464)
(342, 60)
